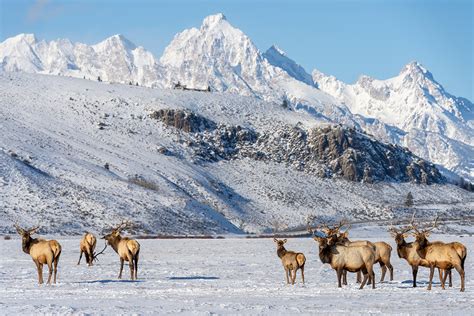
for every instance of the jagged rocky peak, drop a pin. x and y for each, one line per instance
(183, 120)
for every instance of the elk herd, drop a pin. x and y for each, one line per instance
(334, 248)
(345, 255)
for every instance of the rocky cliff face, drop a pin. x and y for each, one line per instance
(329, 151)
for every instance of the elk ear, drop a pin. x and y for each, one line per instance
(284, 240)
(275, 240)
(427, 234)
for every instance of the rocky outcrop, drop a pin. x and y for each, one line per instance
(183, 120)
(329, 151)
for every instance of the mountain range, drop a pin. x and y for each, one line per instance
(411, 110)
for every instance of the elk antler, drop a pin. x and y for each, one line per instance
(33, 230)
(122, 225)
(96, 254)
(435, 224)
(19, 229)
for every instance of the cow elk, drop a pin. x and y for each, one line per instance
(127, 249)
(41, 251)
(87, 247)
(292, 261)
(440, 255)
(347, 258)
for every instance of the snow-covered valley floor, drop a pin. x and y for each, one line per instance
(219, 276)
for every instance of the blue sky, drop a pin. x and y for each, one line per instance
(342, 38)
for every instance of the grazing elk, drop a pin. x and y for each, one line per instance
(440, 255)
(292, 261)
(87, 246)
(347, 258)
(127, 249)
(41, 251)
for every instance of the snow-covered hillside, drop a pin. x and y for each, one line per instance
(432, 123)
(55, 145)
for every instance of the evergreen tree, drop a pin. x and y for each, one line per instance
(409, 200)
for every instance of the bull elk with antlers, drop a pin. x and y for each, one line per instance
(440, 255)
(87, 246)
(292, 261)
(383, 250)
(408, 251)
(128, 249)
(41, 251)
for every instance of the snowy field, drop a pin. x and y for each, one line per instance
(219, 276)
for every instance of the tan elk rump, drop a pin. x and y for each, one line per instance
(41, 251)
(87, 247)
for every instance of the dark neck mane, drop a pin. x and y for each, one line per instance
(28, 243)
(113, 242)
(281, 251)
(325, 254)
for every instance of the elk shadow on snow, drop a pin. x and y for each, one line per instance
(194, 277)
(109, 281)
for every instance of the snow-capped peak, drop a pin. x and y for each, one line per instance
(276, 49)
(117, 40)
(23, 37)
(213, 20)
(278, 58)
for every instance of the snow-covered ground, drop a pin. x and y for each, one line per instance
(220, 276)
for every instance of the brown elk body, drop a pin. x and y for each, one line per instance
(383, 252)
(128, 250)
(440, 255)
(87, 247)
(292, 261)
(348, 258)
(41, 251)
(408, 251)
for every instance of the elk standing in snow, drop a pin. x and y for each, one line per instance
(440, 255)
(408, 251)
(383, 252)
(41, 251)
(347, 258)
(127, 249)
(87, 246)
(292, 261)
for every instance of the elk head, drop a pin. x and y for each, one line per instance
(116, 231)
(280, 243)
(421, 235)
(26, 236)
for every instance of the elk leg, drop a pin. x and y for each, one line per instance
(431, 276)
(286, 275)
(56, 261)
(50, 270)
(390, 268)
(80, 257)
(344, 277)
(442, 277)
(384, 270)
(450, 278)
(132, 272)
(302, 273)
(293, 278)
(415, 272)
(359, 279)
(121, 268)
(461, 272)
(136, 266)
(339, 276)
(366, 276)
(39, 269)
